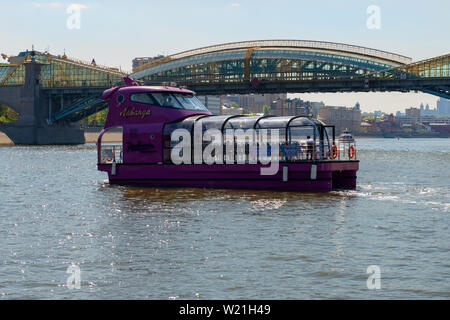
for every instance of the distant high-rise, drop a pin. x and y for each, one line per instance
(212, 103)
(443, 107)
(412, 112)
(342, 118)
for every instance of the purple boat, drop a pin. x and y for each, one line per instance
(169, 139)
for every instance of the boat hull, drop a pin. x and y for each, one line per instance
(299, 176)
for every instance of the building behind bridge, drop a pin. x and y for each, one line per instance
(443, 107)
(342, 118)
(212, 103)
(412, 112)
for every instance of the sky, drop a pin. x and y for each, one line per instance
(114, 32)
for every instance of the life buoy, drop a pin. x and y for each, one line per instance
(351, 152)
(334, 152)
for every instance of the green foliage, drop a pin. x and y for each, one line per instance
(96, 120)
(234, 105)
(266, 110)
(7, 114)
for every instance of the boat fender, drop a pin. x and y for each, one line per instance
(285, 174)
(314, 172)
(113, 168)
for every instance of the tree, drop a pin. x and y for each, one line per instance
(266, 110)
(7, 114)
(234, 105)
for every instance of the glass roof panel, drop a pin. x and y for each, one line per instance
(187, 124)
(275, 122)
(242, 122)
(214, 122)
(299, 122)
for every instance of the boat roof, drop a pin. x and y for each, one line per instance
(127, 89)
(134, 89)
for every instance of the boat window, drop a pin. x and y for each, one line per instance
(190, 102)
(178, 101)
(165, 99)
(300, 128)
(168, 144)
(293, 133)
(143, 97)
(329, 133)
(187, 124)
(110, 146)
(300, 134)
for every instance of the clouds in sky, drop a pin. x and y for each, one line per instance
(55, 5)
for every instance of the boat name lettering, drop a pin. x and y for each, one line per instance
(134, 113)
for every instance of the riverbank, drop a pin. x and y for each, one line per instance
(403, 136)
(90, 136)
(4, 140)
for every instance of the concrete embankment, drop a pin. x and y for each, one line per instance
(91, 136)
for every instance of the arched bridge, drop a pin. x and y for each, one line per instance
(278, 66)
(51, 93)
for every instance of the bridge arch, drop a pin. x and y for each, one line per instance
(269, 60)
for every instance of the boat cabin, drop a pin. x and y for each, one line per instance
(147, 117)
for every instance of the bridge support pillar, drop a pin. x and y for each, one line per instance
(30, 135)
(34, 107)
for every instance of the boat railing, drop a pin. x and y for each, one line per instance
(287, 152)
(345, 151)
(111, 153)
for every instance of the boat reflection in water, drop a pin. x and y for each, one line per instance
(171, 140)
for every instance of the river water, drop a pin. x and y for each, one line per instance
(135, 243)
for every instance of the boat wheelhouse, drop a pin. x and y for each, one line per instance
(169, 139)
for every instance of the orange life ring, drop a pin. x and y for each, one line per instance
(334, 152)
(351, 152)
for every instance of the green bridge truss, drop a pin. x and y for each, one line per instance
(61, 72)
(295, 66)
